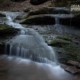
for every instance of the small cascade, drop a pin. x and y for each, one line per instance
(29, 44)
(56, 20)
(58, 27)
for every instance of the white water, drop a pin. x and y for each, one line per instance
(25, 69)
(29, 44)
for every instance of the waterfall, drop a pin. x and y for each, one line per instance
(56, 20)
(29, 44)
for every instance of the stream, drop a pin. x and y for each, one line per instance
(29, 57)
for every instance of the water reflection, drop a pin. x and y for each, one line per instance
(23, 69)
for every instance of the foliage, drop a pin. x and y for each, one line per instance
(71, 49)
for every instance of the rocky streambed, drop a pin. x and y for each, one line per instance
(64, 39)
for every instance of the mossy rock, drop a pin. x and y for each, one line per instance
(67, 48)
(37, 2)
(17, 0)
(48, 10)
(58, 43)
(6, 31)
(72, 52)
(39, 20)
(2, 15)
(66, 38)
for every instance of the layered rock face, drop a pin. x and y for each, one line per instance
(75, 21)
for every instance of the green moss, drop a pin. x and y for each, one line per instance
(2, 27)
(67, 38)
(71, 49)
(58, 43)
(45, 11)
(6, 31)
(40, 11)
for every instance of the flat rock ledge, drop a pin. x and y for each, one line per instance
(72, 67)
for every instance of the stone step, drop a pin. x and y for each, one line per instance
(71, 69)
(74, 63)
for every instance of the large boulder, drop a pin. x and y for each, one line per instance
(2, 15)
(43, 16)
(71, 69)
(7, 31)
(39, 20)
(37, 2)
(75, 21)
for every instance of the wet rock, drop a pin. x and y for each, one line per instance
(37, 2)
(70, 51)
(48, 10)
(2, 46)
(71, 69)
(7, 31)
(74, 63)
(58, 42)
(39, 20)
(75, 21)
(43, 16)
(2, 15)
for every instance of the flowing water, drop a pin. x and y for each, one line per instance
(25, 51)
(29, 44)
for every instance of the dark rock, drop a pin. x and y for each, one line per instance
(48, 10)
(37, 2)
(74, 63)
(6, 32)
(17, 0)
(39, 20)
(27, 10)
(75, 21)
(2, 15)
(2, 48)
(58, 42)
(70, 69)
